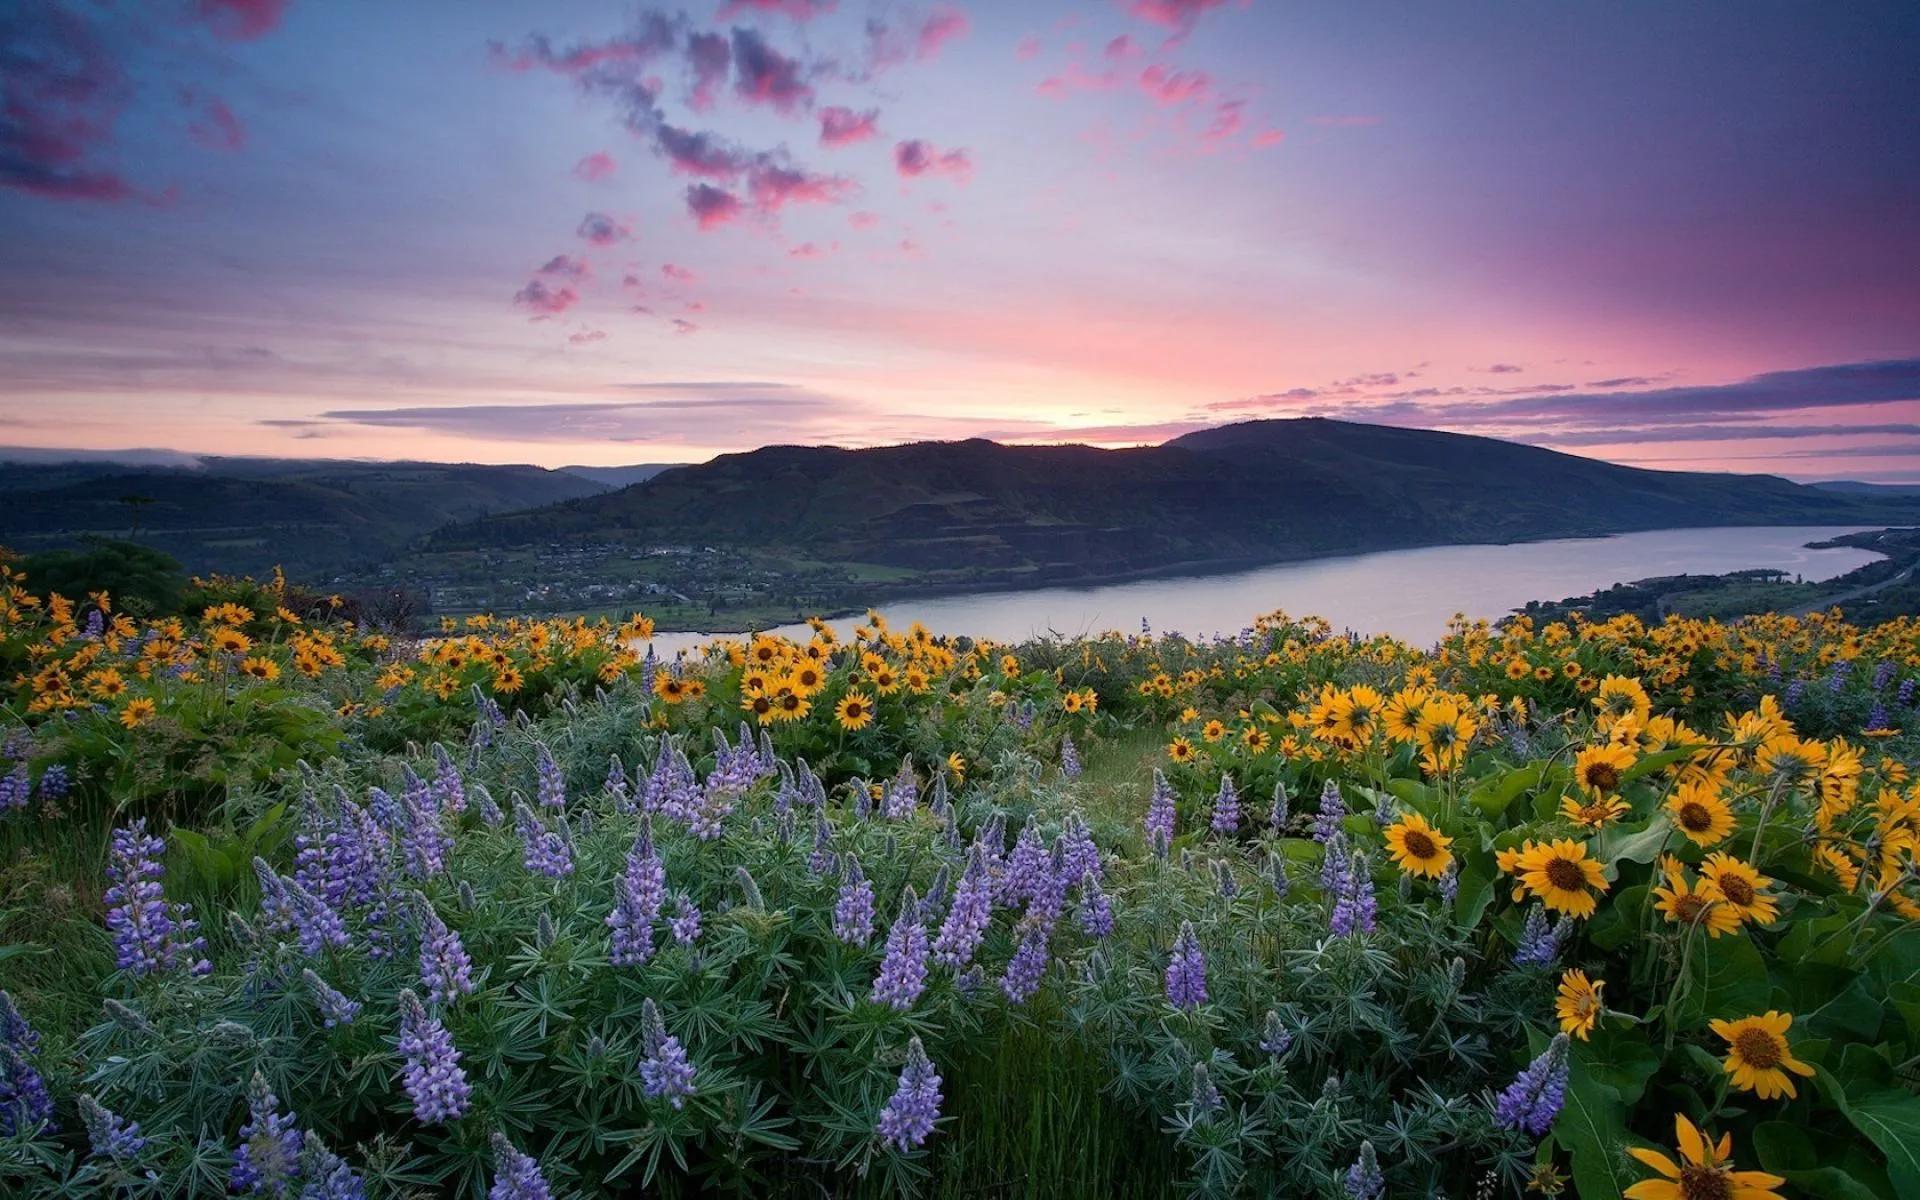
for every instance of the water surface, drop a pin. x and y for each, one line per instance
(1407, 593)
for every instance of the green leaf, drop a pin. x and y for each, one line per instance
(1493, 796)
(1786, 1150)
(1593, 1127)
(1657, 762)
(1622, 1059)
(1727, 978)
(1618, 924)
(1476, 892)
(1640, 846)
(1887, 1114)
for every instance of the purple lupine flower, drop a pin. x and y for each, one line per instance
(853, 909)
(1096, 911)
(639, 895)
(445, 968)
(15, 788)
(822, 860)
(671, 787)
(968, 916)
(431, 1074)
(1224, 879)
(55, 782)
(1383, 810)
(1069, 758)
(1877, 720)
(15, 1031)
(1277, 814)
(902, 795)
(1796, 691)
(290, 907)
(1533, 1099)
(487, 806)
(1354, 904)
(357, 850)
(449, 789)
(1364, 1180)
(1277, 876)
(424, 840)
(109, 1135)
(1026, 868)
(686, 920)
(550, 782)
(1275, 1038)
(1204, 1096)
(1837, 680)
(1539, 941)
(1079, 854)
(25, 1104)
(616, 785)
(1333, 810)
(516, 1176)
(1225, 807)
(909, 1116)
(324, 1175)
(1882, 674)
(149, 934)
(665, 1072)
(1028, 966)
(903, 973)
(1904, 696)
(336, 1008)
(267, 1161)
(1187, 971)
(1160, 815)
(544, 851)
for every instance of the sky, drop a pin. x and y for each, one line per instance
(1681, 235)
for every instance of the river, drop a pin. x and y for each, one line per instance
(1407, 593)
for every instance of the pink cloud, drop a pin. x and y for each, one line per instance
(600, 229)
(241, 20)
(843, 126)
(708, 57)
(863, 220)
(942, 27)
(596, 167)
(544, 300)
(1122, 48)
(1175, 14)
(814, 250)
(799, 10)
(1228, 118)
(676, 272)
(565, 266)
(774, 187)
(682, 326)
(60, 95)
(712, 207)
(1028, 47)
(763, 75)
(700, 154)
(587, 337)
(1171, 86)
(215, 126)
(1269, 137)
(914, 158)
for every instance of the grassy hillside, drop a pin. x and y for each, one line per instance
(1257, 491)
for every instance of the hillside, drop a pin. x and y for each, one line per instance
(978, 512)
(247, 515)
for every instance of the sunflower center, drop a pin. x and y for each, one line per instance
(1694, 817)
(1758, 1047)
(1566, 875)
(1689, 907)
(1420, 845)
(1704, 1183)
(1735, 889)
(1604, 776)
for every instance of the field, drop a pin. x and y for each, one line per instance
(296, 908)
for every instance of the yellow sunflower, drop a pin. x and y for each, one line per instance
(1579, 1005)
(1758, 1056)
(1620, 696)
(1561, 874)
(1697, 811)
(1594, 814)
(1696, 902)
(1703, 1172)
(1743, 888)
(138, 712)
(1180, 750)
(1417, 848)
(854, 712)
(1214, 730)
(1599, 769)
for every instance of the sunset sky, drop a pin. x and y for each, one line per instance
(585, 231)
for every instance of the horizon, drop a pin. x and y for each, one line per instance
(617, 234)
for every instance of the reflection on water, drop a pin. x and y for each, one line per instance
(1408, 593)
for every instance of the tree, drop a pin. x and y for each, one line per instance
(141, 580)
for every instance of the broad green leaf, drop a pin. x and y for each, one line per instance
(1787, 1150)
(1726, 978)
(1494, 795)
(1622, 1059)
(1889, 1116)
(1593, 1127)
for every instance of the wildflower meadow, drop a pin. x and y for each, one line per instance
(295, 908)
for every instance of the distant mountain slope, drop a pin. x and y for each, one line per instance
(243, 514)
(619, 477)
(1857, 488)
(1257, 491)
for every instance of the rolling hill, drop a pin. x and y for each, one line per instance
(247, 515)
(981, 513)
